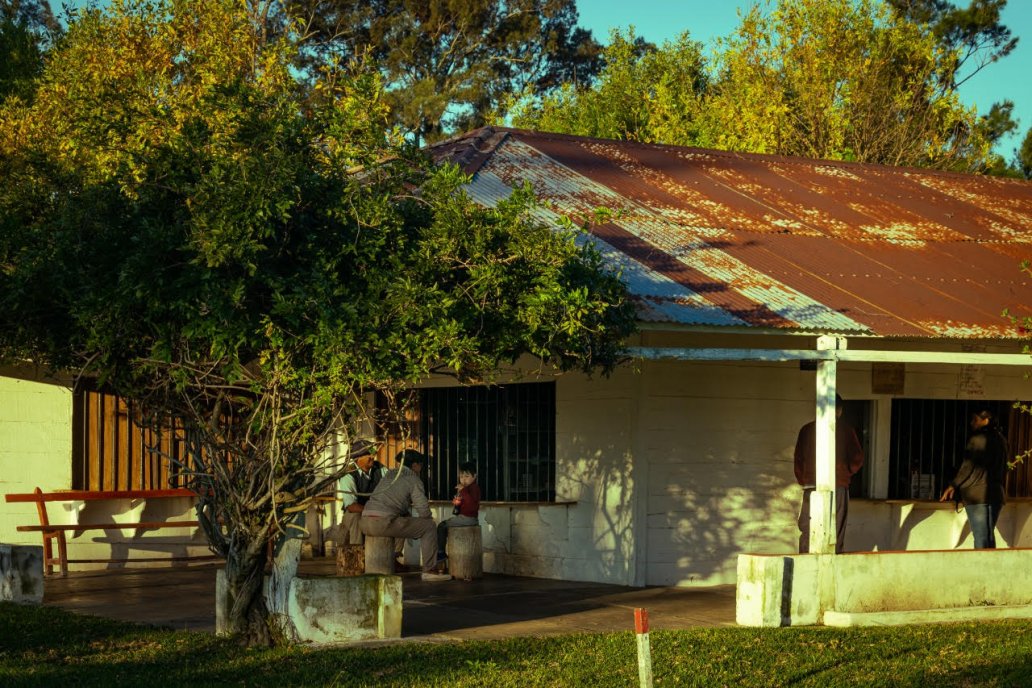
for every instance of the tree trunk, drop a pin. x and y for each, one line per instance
(247, 615)
(258, 614)
(284, 569)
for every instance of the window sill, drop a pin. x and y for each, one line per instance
(443, 502)
(929, 503)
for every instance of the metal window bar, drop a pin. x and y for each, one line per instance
(507, 431)
(928, 438)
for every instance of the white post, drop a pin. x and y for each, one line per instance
(641, 632)
(822, 499)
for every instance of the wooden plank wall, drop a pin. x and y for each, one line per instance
(110, 452)
(1019, 435)
(398, 434)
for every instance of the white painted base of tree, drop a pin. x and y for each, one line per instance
(21, 574)
(277, 588)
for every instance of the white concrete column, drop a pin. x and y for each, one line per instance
(878, 461)
(822, 499)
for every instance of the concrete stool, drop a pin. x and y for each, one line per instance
(465, 552)
(379, 554)
(21, 574)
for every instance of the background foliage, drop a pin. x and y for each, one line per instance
(862, 80)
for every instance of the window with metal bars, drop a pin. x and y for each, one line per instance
(928, 438)
(507, 431)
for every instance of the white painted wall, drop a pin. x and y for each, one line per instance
(35, 449)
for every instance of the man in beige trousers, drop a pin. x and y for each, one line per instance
(400, 492)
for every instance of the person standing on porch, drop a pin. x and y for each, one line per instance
(849, 458)
(979, 481)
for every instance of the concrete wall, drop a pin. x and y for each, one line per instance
(882, 525)
(879, 588)
(129, 543)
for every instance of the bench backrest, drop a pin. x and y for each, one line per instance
(41, 507)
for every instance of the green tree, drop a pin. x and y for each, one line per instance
(1023, 156)
(842, 80)
(973, 36)
(27, 28)
(643, 93)
(447, 65)
(994, 126)
(189, 223)
(835, 79)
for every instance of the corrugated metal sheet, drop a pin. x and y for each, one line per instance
(726, 239)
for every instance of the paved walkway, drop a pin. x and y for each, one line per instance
(492, 607)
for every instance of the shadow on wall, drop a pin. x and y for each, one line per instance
(698, 517)
(125, 545)
(698, 529)
(600, 527)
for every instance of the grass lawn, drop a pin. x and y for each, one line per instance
(43, 646)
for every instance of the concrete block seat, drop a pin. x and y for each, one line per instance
(332, 609)
(379, 554)
(21, 574)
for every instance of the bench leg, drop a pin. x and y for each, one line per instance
(48, 554)
(62, 552)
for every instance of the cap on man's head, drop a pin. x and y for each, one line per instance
(407, 457)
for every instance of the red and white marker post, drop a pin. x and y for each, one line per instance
(641, 632)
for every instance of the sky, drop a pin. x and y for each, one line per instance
(706, 20)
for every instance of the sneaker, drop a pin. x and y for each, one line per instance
(432, 577)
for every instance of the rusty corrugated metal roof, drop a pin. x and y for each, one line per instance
(730, 239)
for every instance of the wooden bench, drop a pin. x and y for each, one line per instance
(51, 532)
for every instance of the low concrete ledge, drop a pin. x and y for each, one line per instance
(347, 608)
(21, 574)
(924, 616)
(334, 609)
(876, 587)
